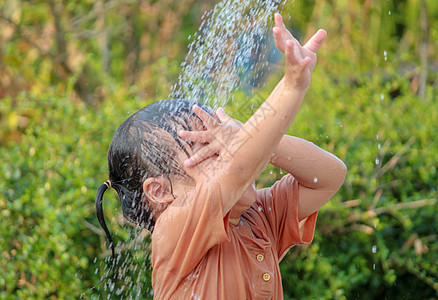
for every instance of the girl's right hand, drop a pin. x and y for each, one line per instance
(219, 137)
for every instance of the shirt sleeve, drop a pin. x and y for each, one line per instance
(186, 230)
(280, 204)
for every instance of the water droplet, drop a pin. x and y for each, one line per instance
(374, 249)
(389, 12)
(382, 96)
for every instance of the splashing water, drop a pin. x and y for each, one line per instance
(131, 276)
(229, 51)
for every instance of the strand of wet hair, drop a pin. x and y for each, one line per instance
(100, 217)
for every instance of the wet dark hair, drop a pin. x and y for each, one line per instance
(139, 150)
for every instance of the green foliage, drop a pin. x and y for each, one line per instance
(50, 246)
(375, 239)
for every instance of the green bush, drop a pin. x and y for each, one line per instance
(375, 239)
(52, 245)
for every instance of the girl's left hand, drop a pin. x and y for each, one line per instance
(282, 35)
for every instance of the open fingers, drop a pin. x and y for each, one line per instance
(281, 34)
(222, 116)
(293, 54)
(305, 63)
(278, 20)
(196, 136)
(316, 40)
(202, 154)
(205, 117)
(279, 42)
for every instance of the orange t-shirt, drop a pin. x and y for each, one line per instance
(197, 254)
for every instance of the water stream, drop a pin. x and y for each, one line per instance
(229, 52)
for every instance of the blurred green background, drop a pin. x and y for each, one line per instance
(72, 71)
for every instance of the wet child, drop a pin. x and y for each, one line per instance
(187, 173)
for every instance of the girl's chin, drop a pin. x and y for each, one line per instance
(239, 208)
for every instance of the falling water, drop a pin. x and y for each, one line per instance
(131, 276)
(228, 52)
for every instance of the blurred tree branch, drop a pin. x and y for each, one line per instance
(424, 46)
(393, 161)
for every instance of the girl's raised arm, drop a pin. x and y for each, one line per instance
(245, 152)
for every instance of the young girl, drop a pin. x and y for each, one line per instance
(187, 174)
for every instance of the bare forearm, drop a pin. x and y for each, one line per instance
(264, 130)
(312, 166)
(257, 139)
